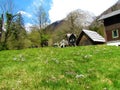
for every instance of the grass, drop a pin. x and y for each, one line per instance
(73, 68)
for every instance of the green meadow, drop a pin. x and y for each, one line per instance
(71, 68)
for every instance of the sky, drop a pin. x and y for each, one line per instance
(59, 9)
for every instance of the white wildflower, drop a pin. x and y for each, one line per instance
(15, 58)
(80, 76)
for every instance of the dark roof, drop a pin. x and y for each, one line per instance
(110, 15)
(94, 36)
(69, 35)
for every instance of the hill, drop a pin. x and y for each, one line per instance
(72, 23)
(82, 18)
(75, 68)
(98, 25)
(115, 7)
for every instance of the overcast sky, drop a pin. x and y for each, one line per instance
(58, 9)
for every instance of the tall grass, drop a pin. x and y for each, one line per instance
(74, 68)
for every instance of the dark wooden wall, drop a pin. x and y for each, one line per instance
(112, 20)
(109, 35)
(111, 24)
(109, 29)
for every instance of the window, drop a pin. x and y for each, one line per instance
(115, 33)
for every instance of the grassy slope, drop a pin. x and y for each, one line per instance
(77, 68)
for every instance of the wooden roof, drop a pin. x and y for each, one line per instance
(94, 36)
(110, 15)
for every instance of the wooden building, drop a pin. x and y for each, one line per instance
(112, 27)
(71, 38)
(88, 37)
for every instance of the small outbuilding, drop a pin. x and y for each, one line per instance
(88, 37)
(71, 38)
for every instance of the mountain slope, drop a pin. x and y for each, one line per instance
(112, 8)
(98, 25)
(72, 23)
(83, 18)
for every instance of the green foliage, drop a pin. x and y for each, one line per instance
(0, 22)
(15, 35)
(18, 34)
(75, 68)
(99, 29)
(34, 37)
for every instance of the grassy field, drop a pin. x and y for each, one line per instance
(75, 68)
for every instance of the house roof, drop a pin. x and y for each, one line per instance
(109, 15)
(69, 34)
(94, 36)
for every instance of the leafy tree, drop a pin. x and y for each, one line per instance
(7, 33)
(1, 25)
(18, 33)
(34, 37)
(14, 37)
(6, 9)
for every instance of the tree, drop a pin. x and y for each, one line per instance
(14, 35)
(79, 19)
(6, 9)
(7, 33)
(34, 37)
(74, 26)
(7, 6)
(1, 26)
(17, 34)
(41, 17)
(71, 21)
(42, 21)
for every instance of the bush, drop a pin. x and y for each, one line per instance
(2, 46)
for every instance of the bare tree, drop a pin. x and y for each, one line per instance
(79, 19)
(7, 6)
(41, 21)
(41, 17)
(72, 22)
